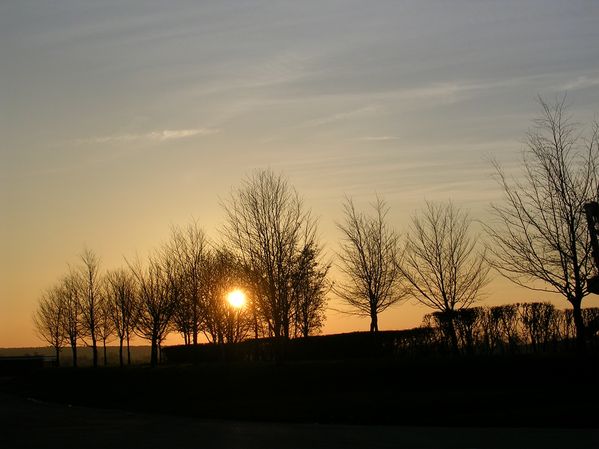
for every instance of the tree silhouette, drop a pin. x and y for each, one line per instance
(188, 247)
(310, 286)
(121, 301)
(49, 320)
(70, 290)
(539, 230)
(91, 298)
(440, 262)
(368, 256)
(159, 287)
(267, 226)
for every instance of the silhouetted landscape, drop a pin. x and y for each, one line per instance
(299, 225)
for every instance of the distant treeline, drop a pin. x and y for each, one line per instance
(139, 354)
(507, 329)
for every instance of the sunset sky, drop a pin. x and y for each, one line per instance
(120, 118)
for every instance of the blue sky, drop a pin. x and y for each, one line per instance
(121, 118)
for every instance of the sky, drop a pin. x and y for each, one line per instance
(119, 119)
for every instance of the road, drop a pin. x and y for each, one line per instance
(27, 423)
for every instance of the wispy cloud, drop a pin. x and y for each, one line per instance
(582, 82)
(378, 138)
(163, 135)
(340, 116)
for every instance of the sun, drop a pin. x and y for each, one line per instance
(236, 298)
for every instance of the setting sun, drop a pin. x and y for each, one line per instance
(236, 298)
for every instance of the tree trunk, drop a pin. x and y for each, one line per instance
(57, 349)
(154, 352)
(121, 352)
(128, 351)
(374, 321)
(579, 324)
(105, 358)
(95, 350)
(453, 337)
(74, 351)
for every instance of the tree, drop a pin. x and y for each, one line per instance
(48, 320)
(440, 262)
(222, 274)
(106, 327)
(159, 293)
(188, 248)
(267, 226)
(70, 290)
(368, 255)
(121, 301)
(310, 287)
(91, 297)
(538, 232)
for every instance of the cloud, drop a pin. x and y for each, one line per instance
(161, 136)
(378, 138)
(340, 116)
(582, 82)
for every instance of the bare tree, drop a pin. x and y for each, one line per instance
(121, 299)
(106, 328)
(539, 230)
(368, 255)
(310, 287)
(267, 226)
(159, 292)
(441, 263)
(222, 323)
(91, 292)
(70, 290)
(188, 248)
(49, 319)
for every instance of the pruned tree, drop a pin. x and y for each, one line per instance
(121, 301)
(539, 323)
(91, 298)
(368, 257)
(49, 320)
(267, 227)
(159, 290)
(441, 264)
(539, 230)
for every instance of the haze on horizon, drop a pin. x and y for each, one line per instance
(119, 119)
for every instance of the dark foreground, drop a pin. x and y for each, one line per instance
(522, 401)
(27, 423)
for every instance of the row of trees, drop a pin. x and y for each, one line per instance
(537, 236)
(537, 326)
(270, 249)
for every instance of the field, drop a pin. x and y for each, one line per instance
(527, 390)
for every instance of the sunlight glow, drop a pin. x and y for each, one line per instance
(236, 298)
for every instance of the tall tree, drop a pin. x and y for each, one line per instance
(121, 302)
(91, 297)
(49, 318)
(368, 255)
(539, 230)
(441, 264)
(267, 225)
